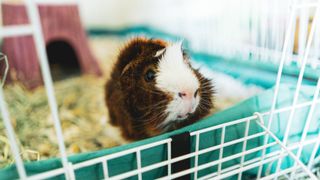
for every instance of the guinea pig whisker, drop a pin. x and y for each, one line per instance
(161, 125)
(199, 108)
(206, 95)
(202, 108)
(155, 105)
(205, 104)
(206, 99)
(147, 117)
(204, 89)
(202, 78)
(155, 116)
(152, 91)
(164, 126)
(205, 81)
(206, 85)
(151, 121)
(150, 112)
(144, 115)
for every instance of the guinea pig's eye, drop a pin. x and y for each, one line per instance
(150, 75)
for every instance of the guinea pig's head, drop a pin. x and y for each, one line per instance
(161, 85)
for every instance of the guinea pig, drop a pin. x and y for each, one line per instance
(154, 89)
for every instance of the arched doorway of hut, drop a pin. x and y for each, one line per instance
(63, 60)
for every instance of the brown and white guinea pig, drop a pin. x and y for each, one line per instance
(153, 89)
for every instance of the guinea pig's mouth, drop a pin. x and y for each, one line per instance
(183, 116)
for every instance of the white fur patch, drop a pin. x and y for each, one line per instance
(175, 76)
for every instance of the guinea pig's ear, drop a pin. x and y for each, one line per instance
(179, 43)
(126, 69)
(126, 77)
(184, 52)
(163, 51)
(160, 52)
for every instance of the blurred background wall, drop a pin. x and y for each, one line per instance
(229, 28)
(226, 27)
(120, 13)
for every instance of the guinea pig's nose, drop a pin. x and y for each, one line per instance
(187, 95)
(182, 94)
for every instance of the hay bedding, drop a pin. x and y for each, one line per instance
(82, 112)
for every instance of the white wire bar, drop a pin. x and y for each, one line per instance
(138, 155)
(303, 31)
(16, 30)
(244, 147)
(300, 78)
(297, 160)
(169, 157)
(33, 14)
(314, 151)
(4, 58)
(278, 80)
(11, 136)
(308, 121)
(196, 157)
(105, 169)
(221, 149)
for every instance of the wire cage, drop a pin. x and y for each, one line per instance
(275, 135)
